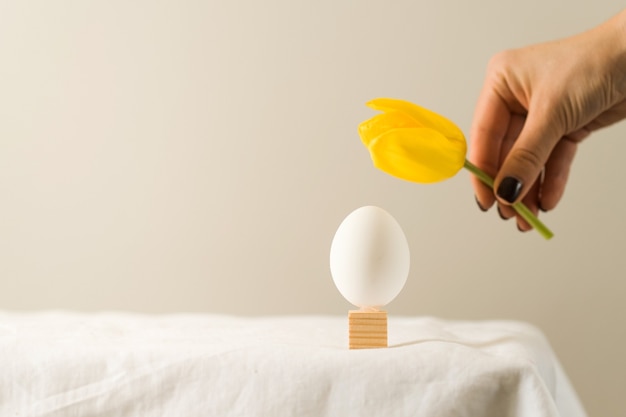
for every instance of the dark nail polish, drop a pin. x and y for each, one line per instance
(509, 189)
(541, 208)
(480, 206)
(501, 215)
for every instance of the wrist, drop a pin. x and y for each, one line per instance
(613, 41)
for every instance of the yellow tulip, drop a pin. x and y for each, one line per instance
(413, 143)
(416, 144)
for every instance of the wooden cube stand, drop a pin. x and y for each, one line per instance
(367, 329)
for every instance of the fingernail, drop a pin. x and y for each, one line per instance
(520, 229)
(509, 189)
(541, 208)
(480, 206)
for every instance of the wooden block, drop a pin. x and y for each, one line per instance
(367, 329)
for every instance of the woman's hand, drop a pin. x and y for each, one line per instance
(536, 105)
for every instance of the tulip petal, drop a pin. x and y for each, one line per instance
(417, 154)
(423, 116)
(381, 123)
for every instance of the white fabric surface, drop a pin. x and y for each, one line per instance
(120, 364)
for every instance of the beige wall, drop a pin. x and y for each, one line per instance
(199, 156)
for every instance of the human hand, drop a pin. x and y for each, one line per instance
(536, 105)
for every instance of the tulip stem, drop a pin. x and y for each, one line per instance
(519, 207)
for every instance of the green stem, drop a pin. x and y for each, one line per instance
(519, 207)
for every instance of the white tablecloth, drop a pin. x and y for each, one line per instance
(121, 364)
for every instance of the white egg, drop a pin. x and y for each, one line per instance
(369, 257)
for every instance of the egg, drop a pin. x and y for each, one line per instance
(369, 258)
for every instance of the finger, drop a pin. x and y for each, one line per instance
(578, 135)
(516, 124)
(491, 120)
(528, 156)
(505, 212)
(531, 200)
(557, 173)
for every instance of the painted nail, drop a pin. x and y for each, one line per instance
(480, 206)
(509, 189)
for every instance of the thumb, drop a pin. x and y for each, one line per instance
(526, 159)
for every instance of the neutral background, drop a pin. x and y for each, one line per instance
(199, 155)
